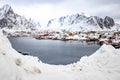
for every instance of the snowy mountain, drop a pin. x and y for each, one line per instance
(13, 21)
(77, 22)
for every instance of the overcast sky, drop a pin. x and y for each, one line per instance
(43, 10)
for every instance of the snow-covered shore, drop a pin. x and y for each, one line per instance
(104, 64)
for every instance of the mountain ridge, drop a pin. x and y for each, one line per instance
(11, 20)
(82, 22)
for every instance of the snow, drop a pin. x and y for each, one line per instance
(81, 23)
(104, 64)
(12, 21)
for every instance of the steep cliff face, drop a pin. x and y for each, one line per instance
(108, 22)
(99, 21)
(11, 20)
(82, 21)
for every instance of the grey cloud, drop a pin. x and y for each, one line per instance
(36, 1)
(112, 11)
(104, 7)
(105, 1)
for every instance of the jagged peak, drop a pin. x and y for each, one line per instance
(6, 9)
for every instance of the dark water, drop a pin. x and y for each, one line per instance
(53, 51)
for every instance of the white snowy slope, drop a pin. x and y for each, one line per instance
(80, 22)
(104, 64)
(10, 20)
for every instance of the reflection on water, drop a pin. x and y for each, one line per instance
(53, 51)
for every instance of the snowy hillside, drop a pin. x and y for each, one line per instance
(77, 22)
(104, 64)
(13, 21)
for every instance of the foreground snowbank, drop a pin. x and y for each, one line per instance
(104, 64)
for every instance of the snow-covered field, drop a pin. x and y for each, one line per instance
(104, 64)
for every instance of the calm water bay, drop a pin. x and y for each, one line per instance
(53, 51)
